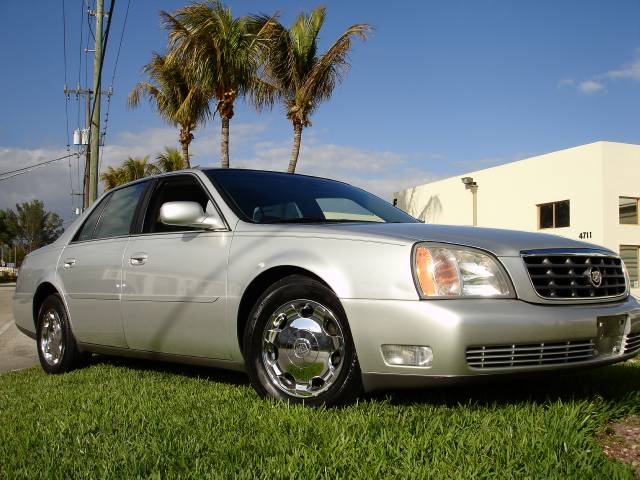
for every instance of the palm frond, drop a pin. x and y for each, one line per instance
(330, 67)
(170, 160)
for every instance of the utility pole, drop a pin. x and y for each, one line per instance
(87, 92)
(94, 138)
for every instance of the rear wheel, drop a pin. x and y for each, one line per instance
(57, 349)
(298, 345)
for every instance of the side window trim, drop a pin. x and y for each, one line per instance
(137, 223)
(107, 202)
(101, 207)
(156, 184)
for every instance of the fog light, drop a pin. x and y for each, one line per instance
(409, 355)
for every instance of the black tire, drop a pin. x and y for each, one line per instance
(69, 357)
(345, 386)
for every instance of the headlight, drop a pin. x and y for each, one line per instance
(448, 271)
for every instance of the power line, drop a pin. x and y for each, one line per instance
(113, 76)
(19, 171)
(89, 22)
(124, 26)
(66, 96)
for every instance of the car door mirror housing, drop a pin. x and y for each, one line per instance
(189, 214)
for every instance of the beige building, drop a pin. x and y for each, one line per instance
(590, 192)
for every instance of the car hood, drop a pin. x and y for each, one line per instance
(498, 241)
(504, 243)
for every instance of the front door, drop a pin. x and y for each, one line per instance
(174, 280)
(90, 268)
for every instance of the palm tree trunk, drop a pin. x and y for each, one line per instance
(295, 150)
(224, 143)
(185, 155)
(185, 139)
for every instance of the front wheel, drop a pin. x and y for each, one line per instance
(57, 349)
(298, 345)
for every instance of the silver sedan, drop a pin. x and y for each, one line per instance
(317, 289)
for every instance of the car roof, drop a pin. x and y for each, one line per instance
(247, 171)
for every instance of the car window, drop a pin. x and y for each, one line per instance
(118, 214)
(89, 225)
(179, 188)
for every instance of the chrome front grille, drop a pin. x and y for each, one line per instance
(632, 344)
(575, 275)
(530, 354)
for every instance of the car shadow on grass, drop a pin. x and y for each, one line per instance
(611, 384)
(229, 377)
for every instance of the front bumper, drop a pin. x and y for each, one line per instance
(450, 327)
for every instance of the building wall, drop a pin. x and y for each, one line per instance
(508, 195)
(591, 177)
(621, 172)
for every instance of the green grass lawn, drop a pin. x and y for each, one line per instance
(122, 419)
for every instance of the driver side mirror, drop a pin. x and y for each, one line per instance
(189, 214)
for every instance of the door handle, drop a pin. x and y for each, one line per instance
(69, 262)
(138, 259)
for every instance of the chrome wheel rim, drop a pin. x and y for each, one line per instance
(303, 348)
(51, 337)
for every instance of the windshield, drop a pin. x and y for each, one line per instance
(272, 197)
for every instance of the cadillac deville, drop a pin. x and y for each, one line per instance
(317, 289)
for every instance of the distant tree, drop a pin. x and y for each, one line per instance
(34, 226)
(296, 75)
(221, 53)
(170, 160)
(180, 101)
(7, 228)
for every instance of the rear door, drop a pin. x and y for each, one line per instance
(90, 268)
(174, 279)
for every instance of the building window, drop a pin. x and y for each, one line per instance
(628, 208)
(629, 255)
(553, 215)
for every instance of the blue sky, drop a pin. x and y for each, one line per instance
(440, 88)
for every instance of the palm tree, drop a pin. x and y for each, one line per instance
(111, 178)
(131, 169)
(170, 160)
(178, 100)
(222, 53)
(297, 76)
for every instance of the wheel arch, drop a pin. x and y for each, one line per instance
(43, 291)
(257, 287)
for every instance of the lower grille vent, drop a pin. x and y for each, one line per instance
(524, 355)
(632, 344)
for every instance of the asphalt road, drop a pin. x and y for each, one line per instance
(16, 349)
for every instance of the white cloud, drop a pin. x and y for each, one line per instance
(53, 183)
(49, 183)
(598, 83)
(589, 87)
(380, 171)
(629, 71)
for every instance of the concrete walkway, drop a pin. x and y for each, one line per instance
(16, 349)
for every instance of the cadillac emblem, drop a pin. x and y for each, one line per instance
(595, 276)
